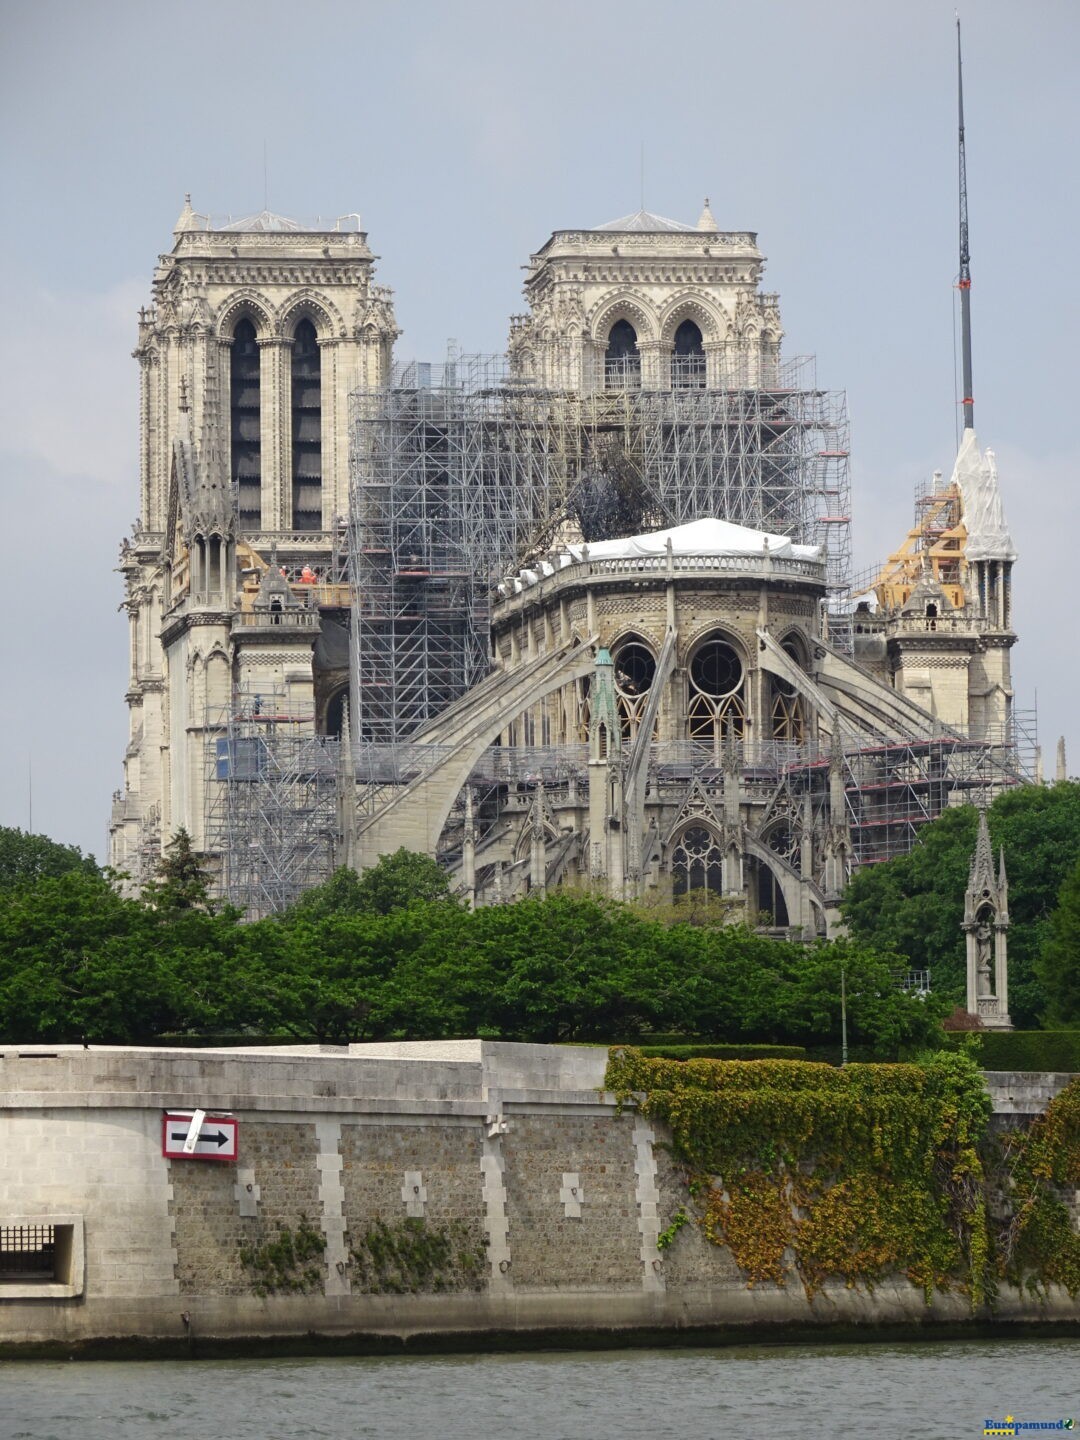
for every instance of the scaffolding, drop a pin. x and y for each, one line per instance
(894, 784)
(935, 544)
(272, 792)
(461, 473)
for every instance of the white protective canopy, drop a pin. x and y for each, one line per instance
(988, 535)
(700, 537)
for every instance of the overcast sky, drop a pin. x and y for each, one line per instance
(464, 133)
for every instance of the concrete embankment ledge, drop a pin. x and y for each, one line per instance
(385, 1198)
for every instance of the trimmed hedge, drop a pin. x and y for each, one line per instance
(723, 1052)
(1029, 1050)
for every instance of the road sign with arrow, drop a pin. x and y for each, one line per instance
(199, 1136)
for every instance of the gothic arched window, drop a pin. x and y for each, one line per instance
(688, 358)
(306, 429)
(766, 896)
(788, 715)
(697, 861)
(245, 448)
(335, 714)
(717, 709)
(635, 671)
(622, 362)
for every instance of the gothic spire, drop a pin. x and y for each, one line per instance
(981, 880)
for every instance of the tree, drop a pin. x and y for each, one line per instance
(567, 967)
(1058, 965)
(394, 882)
(350, 977)
(79, 962)
(26, 858)
(914, 905)
(180, 883)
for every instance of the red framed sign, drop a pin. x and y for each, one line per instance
(200, 1136)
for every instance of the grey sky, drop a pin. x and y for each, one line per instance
(464, 133)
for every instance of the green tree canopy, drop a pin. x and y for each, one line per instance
(394, 882)
(78, 962)
(1058, 965)
(180, 882)
(914, 905)
(391, 954)
(26, 858)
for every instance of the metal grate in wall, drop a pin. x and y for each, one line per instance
(27, 1252)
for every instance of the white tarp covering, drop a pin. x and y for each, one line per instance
(700, 537)
(988, 536)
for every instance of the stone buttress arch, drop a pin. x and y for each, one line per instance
(415, 816)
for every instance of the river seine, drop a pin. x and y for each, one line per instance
(924, 1391)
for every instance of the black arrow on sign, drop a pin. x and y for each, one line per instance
(218, 1138)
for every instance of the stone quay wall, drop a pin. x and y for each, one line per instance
(453, 1192)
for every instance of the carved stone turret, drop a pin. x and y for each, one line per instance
(986, 921)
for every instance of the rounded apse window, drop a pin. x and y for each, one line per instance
(716, 669)
(635, 669)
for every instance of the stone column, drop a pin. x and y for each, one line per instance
(1001, 970)
(715, 363)
(972, 958)
(468, 852)
(651, 378)
(335, 431)
(275, 432)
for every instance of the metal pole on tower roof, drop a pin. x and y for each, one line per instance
(965, 252)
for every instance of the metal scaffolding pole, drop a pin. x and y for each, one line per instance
(271, 804)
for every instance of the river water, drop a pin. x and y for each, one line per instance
(921, 1391)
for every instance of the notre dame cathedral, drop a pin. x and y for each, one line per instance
(581, 613)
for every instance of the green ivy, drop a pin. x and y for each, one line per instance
(1037, 1245)
(667, 1237)
(288, 1264)
(859, 1172)
(412, 1257)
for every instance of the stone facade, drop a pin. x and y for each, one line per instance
(209, 1204)
(941, 631)
(581, 1232)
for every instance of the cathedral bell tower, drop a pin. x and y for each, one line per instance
(258, 331)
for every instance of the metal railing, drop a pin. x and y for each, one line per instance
(298, 619)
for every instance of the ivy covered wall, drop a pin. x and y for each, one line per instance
(808, 1172)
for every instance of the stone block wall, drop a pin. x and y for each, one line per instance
(560, 1238)
(105, 1167)
(691, 1259)
(459, 1188)
(409, 1185)
(217, 1215)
